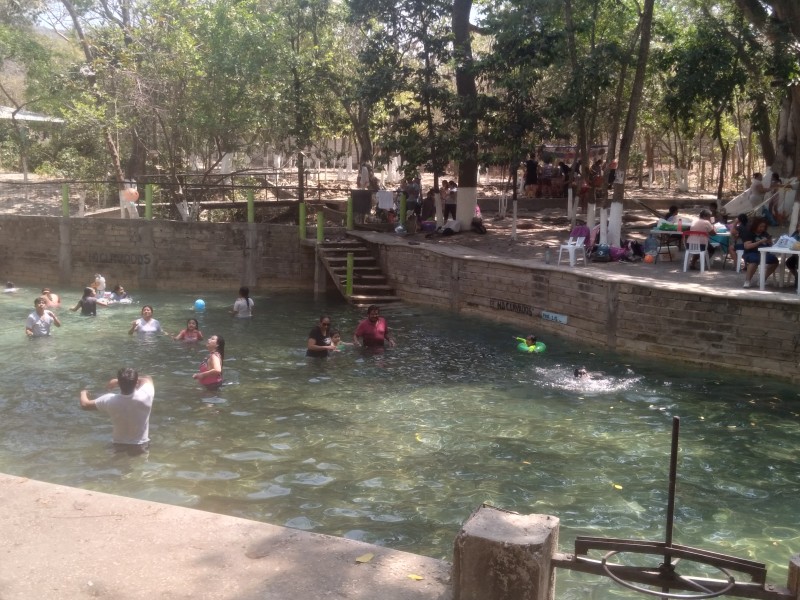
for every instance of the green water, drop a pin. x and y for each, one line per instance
(399, 449)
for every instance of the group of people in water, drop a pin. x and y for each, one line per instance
(40, 322)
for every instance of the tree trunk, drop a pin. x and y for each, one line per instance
(468, 109)
(86, 46)
(630, 122)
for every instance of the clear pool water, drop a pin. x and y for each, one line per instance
(399, 449)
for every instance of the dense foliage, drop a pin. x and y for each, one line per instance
(167, 87)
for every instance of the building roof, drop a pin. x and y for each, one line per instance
(6, 113)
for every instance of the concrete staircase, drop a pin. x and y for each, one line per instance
(369, 283)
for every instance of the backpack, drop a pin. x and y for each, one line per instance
(602, 253)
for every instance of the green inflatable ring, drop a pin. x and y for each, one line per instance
(537, 347)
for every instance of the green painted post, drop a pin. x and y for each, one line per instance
(251, 207)
(65, 200)
(349, 281)
(320, 226)
(403, 209)
(350, 213)
(148, 201)
(301, 220)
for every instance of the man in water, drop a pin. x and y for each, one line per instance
(40, 320)
(373, 330)
(129, 410)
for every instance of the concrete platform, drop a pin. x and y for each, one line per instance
(63, 543)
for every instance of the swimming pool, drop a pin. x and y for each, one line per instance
(399, 449)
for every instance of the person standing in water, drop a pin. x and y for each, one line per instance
(146, 324)
(210, 372)
(129, 410)
(243, 307)
(192, 332)
(373, 330)
(319, 339)
(88, 303)
(40, 320)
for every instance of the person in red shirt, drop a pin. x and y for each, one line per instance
(373, 330)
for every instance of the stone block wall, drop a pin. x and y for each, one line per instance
(153, 254)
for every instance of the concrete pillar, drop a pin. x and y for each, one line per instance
(64, 251)
(505, 556)
(148, 270)
(250, 255)
(794, 575)
(320, 276)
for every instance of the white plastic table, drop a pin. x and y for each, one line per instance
(783, 254)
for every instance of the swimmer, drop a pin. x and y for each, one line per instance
(99, 284)
(529, 344)
(88, 303)
(210, 372)
(51, 299)
(10, 288)
(192, 332)
(119, 293)
(146, 324)
(40, 320)
(336, 341)
(243, 307)
(582, 373)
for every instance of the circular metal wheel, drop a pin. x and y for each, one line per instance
(703, 591)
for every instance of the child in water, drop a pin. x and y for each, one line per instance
(530, 344)
(336, 340)
(191, 333)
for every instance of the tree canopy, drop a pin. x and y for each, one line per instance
(169, 87)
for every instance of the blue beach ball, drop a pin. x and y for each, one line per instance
(199, 305)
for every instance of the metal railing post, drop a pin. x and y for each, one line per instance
(350, 212)
(301, 221)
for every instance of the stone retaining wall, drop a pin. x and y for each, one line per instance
(153, 254)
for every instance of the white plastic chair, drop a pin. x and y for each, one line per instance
(739, 259)
(696, 244)
(573, 246)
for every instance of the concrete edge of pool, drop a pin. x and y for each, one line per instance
(63, 542)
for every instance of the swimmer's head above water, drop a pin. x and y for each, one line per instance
(581, 372)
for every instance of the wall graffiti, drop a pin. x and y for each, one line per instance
(119, 258)
(515, 307)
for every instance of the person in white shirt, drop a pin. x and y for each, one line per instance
(129, 410)
(40, 320)
(243, 307)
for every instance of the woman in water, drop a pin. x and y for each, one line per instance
(319, 339)
(192, 332)
(146, 324)
(119, 293)
(243, 307)
(88, 303)
(210, 372)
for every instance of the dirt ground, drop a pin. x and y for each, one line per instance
(538, 229)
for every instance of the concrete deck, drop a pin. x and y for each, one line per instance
(64, 543)
(664, 274)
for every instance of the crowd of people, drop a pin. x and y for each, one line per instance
(744, 234)
(544, 179)
(130, 395)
